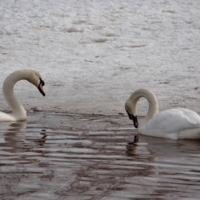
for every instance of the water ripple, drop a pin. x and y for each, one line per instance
(42, 159)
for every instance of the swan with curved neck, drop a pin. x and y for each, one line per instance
(178, 123)
(18, 111)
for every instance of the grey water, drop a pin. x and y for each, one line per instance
(67, 156)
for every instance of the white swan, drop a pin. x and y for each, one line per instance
(179, 123)
(18, 111)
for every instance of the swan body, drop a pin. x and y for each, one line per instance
(18, 111)
(177, 123)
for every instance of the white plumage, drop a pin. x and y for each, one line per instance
(178, 123)
(18, 111)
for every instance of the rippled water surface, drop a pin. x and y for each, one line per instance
(63, 156)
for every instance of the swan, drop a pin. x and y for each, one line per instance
(177, 123)
(18, 111)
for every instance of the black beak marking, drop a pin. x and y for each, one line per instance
(135, 121)
(40, 87)
(134, 118)
(42, 82)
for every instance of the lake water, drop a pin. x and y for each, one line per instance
(65, 156)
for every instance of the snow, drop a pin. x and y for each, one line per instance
(93, 54)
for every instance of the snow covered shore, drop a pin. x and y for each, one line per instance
(93, 54)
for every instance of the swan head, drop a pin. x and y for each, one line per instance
(36, 79)
(131, 111)
(133, 118)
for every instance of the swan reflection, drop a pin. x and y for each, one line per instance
(13, 134)
(14, 137)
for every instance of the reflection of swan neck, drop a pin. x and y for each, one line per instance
(153, 104)
(9, 96)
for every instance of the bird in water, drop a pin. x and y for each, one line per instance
(18, 111)
(176, 123)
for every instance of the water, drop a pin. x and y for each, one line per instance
(64, 156)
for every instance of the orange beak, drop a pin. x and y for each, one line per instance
(40, 87)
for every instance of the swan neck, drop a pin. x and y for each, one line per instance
(152, 101)
(8, 85)
(153, 106)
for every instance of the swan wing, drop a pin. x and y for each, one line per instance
(191, 116)
(174, 120)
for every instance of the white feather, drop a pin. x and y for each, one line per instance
(18, 111)
(179, 123)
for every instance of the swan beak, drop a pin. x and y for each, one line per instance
(134, 118)
(135, 121)
(40, 87)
